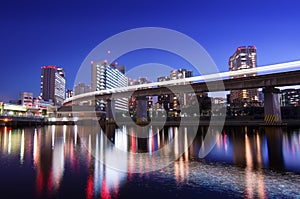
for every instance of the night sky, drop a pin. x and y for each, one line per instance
(36, 33)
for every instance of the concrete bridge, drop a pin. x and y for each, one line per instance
(210, 83)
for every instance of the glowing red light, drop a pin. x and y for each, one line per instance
(39, 182)
(49, 181)
(53, 67)
(89, 187)
(133, 146)
(104, 190)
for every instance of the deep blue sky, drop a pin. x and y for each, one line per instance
(35, 33)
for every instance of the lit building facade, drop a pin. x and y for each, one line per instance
(290, 97)
(106, 76)
(53, 84)
(26, 99)
(171, 102)
(243, 58)
(132, 105)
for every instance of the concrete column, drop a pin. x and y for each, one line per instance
(272, 106)
(141, 110)
(110, 110)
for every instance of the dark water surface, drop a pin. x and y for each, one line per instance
(80, 162)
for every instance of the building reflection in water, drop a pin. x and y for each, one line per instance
(275, 154)
(291, 149)
(53, 150)
(22, 147)
(254, 179)
(58, 159)
(103, 181)
(251, 149)
(181, 166)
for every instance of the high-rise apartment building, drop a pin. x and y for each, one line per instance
(243, 58)
(106, 76)
(53, 84)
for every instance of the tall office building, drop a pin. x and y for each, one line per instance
(106, 76)
(243, 58)
(53, 84)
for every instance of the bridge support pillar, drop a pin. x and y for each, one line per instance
(110, 110)
(141, 110)
(272, 106)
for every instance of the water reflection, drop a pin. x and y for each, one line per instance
(256, 150)
(61, 155)
(254, 181)
(291, 149)
(275, 154)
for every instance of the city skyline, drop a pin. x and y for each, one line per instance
(62, 33)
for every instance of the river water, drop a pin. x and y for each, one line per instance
(90, 162)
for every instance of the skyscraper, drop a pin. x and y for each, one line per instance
(243, 58)
(53, 84)
(106, 76)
